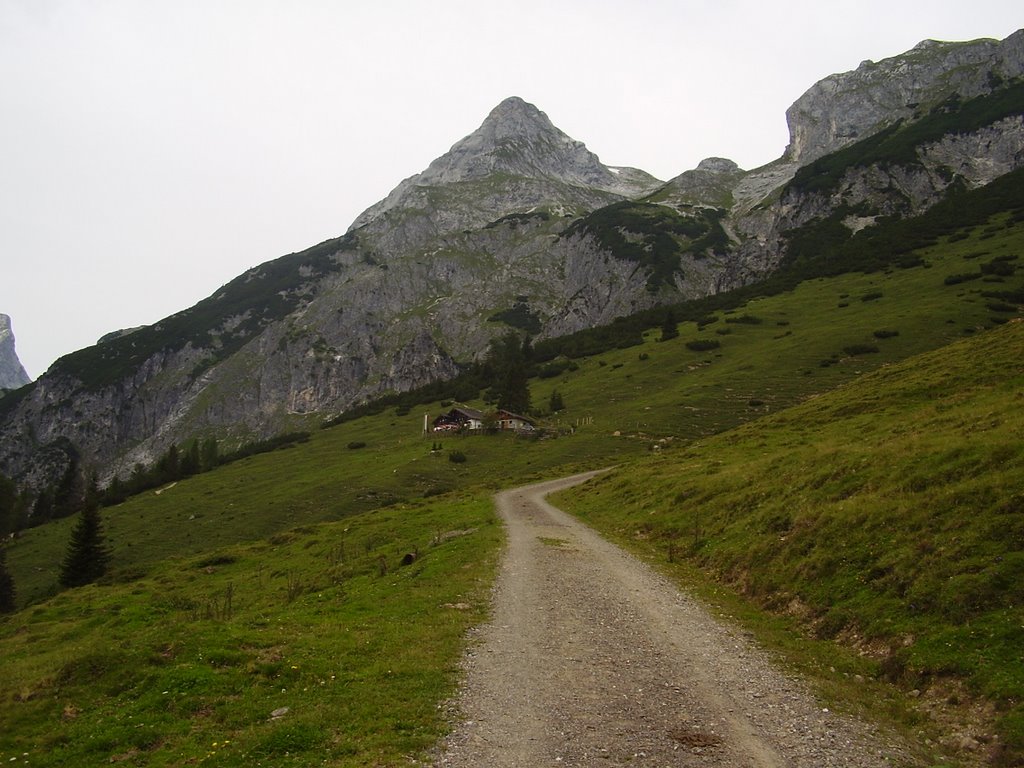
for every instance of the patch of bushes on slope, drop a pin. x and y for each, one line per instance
(825, 248)
(653, 236)
(262, 295)
(897, 144)
(520, 316)
(513, 220)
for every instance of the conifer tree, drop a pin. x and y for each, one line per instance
(87, 556)
(556, 403)
(8, 506)
(7, 596)
(669, 326)
(507, 360)
(209, 457)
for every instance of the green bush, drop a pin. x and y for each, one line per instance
(961, 277)
(999, 266)
(860, 349)
(1000, 306)
(745, 320)
(703, 345)
(457, 457)
(355, 444)
(883, 333)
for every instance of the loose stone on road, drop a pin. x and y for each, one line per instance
(591, 658)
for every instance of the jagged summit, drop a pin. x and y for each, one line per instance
(12, 373)
(515, 118)
(516, 139)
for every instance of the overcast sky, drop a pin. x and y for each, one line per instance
(152, 150)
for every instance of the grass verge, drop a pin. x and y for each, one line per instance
(886, 517)
(315, 646)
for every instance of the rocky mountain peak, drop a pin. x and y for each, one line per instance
(710, 183)
(12, 373)
(717, 165)
(515, 118)
(516, 139)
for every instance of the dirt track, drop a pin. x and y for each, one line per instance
(593, 659)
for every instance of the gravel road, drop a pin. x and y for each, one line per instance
(593, 659)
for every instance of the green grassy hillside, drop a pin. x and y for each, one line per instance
(313, 646)
(242, 591)
(888, 514)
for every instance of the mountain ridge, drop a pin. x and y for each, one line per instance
(503, 225)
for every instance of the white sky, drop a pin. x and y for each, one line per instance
(152, 150)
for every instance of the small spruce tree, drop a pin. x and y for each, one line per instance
(507, 360)
(8, 506)
(208, 458)
(7, 596)
(87, 556)
(556, 404)
(669, 326)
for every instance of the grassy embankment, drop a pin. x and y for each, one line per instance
(888, 514)
(241, 591)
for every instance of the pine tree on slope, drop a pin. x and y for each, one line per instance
(87, 557)
(7, 601)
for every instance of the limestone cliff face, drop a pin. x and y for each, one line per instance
(918, 88)
(12, 373)
(844, 108)
(517, 214)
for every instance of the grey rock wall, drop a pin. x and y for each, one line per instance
(12, 372)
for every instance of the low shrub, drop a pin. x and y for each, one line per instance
(745, 320)
(1000, 306)
(860, 349)
(703, 345)
(356, 444)
(883, 333)
(457, 457)
(961, 277)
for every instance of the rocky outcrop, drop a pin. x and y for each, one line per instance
(12, 373)
(847, 107)
(711, 183)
